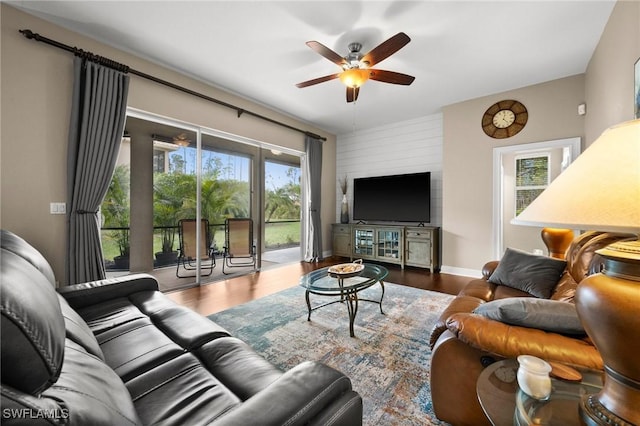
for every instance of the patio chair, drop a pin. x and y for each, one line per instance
(187, 257)
(238, 247)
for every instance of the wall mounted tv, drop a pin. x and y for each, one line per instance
(397, 198)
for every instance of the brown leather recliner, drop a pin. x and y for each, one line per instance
(464, 343)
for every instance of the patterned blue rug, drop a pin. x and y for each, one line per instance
(388, 360)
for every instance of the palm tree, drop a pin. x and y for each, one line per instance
(169, 193)
(116, 208)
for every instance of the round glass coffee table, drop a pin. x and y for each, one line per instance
(504, 403)
(345, 287)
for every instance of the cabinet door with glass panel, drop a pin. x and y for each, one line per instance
(389, 244)
(363, 242)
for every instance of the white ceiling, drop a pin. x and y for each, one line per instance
(458, 50)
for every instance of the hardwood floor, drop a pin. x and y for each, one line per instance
(215, 297)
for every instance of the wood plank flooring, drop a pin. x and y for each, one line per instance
(215, 297)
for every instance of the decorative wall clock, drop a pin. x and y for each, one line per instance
(504, 119)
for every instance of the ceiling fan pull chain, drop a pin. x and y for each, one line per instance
(354, 115)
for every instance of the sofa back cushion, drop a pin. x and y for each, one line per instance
(33, 331)
(78, 330)
(13, 243)
(87, 392)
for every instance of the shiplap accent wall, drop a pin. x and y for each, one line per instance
(410, 146)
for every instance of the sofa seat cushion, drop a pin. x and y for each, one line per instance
(543, 314)
(180, 392)
(110, 314)
(135, 347)
(536, 275)
(185, 327)
(145, 329)
(237, 366)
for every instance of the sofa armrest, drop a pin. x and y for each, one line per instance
(461, 303)
(301, 395)
(489, 268)
(90, 293)
(510, 341)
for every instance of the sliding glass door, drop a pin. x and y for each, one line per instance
(172, 171)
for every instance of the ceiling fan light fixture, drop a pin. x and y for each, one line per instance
(354, 77)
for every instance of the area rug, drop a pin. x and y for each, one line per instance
(387, 361)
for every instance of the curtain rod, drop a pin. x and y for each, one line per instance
(124, 68)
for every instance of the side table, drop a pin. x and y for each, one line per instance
(505, 404)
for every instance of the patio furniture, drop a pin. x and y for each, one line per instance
(239, 250)
(187, 255)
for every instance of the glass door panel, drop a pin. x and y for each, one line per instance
(388, 244)
(174, 191)
(282, 201)
(363, 242)
(115, 214)
(226, 186)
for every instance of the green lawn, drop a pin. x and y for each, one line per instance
(277, 235)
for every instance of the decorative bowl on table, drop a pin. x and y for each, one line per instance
(346, 270)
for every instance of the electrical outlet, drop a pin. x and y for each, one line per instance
(57, 208)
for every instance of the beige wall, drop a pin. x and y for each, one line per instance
(467, 236)
(607, 89)
(36, 82)
(609, 77)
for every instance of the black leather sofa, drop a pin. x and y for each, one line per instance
(119, 352)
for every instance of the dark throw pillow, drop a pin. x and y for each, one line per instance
(533, 274)
(543, 314)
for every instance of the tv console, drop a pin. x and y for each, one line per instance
(403, 245)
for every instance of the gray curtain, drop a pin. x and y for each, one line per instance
(98, 113)
(313, 148)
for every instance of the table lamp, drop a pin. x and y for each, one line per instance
(557, 241)
(600, 191)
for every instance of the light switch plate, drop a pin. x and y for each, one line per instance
(58, 208)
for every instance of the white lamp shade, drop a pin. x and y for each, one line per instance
(599, 191)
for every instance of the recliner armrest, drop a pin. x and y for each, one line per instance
(509, 341)
(300, 396)
(90, 293)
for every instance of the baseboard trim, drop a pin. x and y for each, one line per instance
(472, 273)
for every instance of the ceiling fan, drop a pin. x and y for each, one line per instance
(181, 140)
(356, 67)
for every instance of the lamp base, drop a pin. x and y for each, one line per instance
(607, 304)
(593, 413)
(557, 241)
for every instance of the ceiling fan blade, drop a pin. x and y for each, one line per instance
(386, 49)
(391, 77)
(326, 52)
(352, 94)
(317, 80)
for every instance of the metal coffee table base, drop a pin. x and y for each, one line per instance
(350, 297)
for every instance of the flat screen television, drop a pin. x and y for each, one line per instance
(396, 198)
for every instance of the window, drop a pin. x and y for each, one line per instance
(532, 177)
